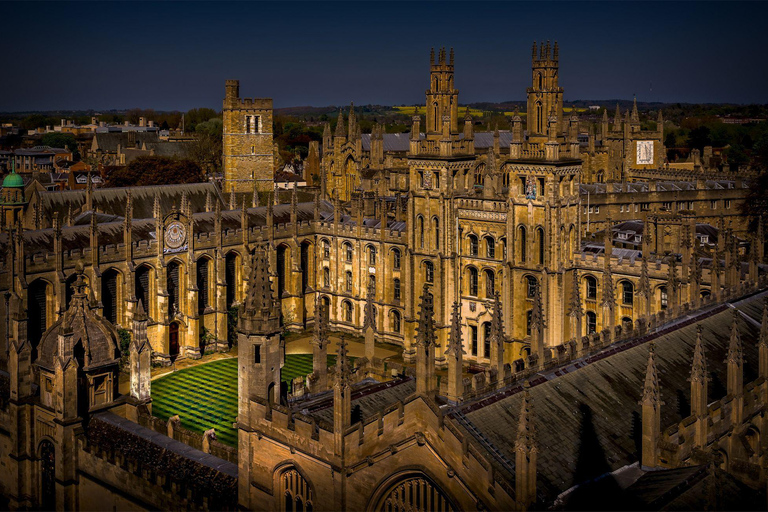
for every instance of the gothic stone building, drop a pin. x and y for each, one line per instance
(466, 256)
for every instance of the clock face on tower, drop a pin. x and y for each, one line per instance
(644, 152)
(175, 235)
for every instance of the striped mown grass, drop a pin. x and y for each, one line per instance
(205, 396)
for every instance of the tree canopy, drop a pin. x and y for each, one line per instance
(155, 170)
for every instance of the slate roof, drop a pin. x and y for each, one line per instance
(588, 420)
(369, 395)
(402, 141)
(113, 199)
(661, 186)
(108, 141)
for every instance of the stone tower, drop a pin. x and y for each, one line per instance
(248, 149)
(545, 96)
(442, 98)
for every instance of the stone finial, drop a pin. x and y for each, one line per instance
(651, 392)
(644, 286)
(260, 313)
(576, 309)
(699, 366)
(538, 322)
(343, 368)
(369, 318)
(341, 130)
(735, 353)
(426, 323)
(320, 330)
(497, 320)
(617, 119)
(455, 343)
(609, 298)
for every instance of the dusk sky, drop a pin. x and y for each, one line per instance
(177, 55)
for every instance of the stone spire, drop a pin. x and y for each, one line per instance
(735, 358)
(497, 336)
(763, 343)
(425, 345)
(260, 314)
(735, 364)
(635, 116)
(651, 411)
(341, 130)
(575, 310)
(617, 120)
(455, 355)
(369, 322)
(140, 356)
(526, 452)
(342, 397)
(538, 324)
(699, 377)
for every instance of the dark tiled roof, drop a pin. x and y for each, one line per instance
(109, 141)
(588, 420)
(113, 200)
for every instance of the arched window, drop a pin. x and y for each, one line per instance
(664, 298)
(349, 252)
(490, 283)
(396, 258)
(627, 293)
(47, 476)
(396, 289)
(326, 249)
(473, 245)
(414, 493)
(490, 247)
(540, 235)
(591, 322)
(296, 491)
(531, 288)
(371, 255)
(487, 339)
(109, 291)
(372, 282)
(591, 287)
(347, 308)
(473, 340)
(429, 272)
(436, 232)
(473, 281)
(326, 277)
(230, 275)
(420, 224)
(523, 244)
(202, 285)
(172, 284)
(395, 321)
(348, 281)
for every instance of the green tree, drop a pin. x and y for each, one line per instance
(155, 170)
(207, 148)
(61, 140)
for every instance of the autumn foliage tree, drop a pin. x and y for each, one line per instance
(155, 170)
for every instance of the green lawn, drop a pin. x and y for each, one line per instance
(205, 396)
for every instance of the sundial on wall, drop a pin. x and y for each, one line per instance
(175, 235)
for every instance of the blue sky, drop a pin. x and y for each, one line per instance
(176, 55)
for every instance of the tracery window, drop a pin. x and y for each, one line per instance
(490, 283)
(348, 250)
(591, 322)
(532, 283)
(396, 259)
(490, 247)
(473, 281)
(591, 287)
(473, 245)
(297, 494)
(415, 494)
(627, 293)
(429, 272)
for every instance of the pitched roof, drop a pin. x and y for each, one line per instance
(589, 418)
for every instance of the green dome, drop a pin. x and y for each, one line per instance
(13, 180)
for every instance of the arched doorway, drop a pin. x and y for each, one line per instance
(173, 339)
(47, 476)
